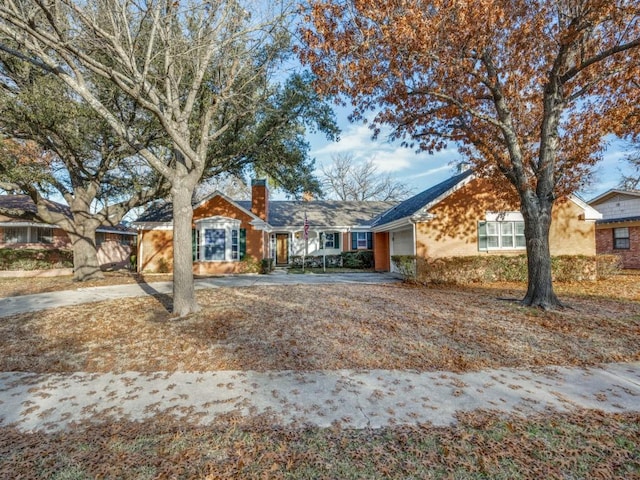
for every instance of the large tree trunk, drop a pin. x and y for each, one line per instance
(184, 298)
(537, 223)
(85, 256)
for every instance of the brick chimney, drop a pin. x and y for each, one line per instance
(260, 198)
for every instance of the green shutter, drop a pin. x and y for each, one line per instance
(354, 240)
(194, 244)
(369, 241)
(336, 240)
(482, 236)
(243, 243)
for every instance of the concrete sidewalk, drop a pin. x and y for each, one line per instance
(353, 399)
(32, 303)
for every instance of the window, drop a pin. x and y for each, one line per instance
(621, 240)
(28, 235)
(16, 235)
(218, 239)
(332, 240)
(501, 236)
(361, 241)
(234, 244)
(214, 244)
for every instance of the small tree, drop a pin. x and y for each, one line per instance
(347, 179)
(527, 89)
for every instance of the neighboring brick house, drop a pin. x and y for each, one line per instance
(115, 244)
(465, 216)
(226, 231)
(618, 232)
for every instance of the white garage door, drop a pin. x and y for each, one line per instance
(401, 243)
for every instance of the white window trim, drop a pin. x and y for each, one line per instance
(499, 236)
(218, 223)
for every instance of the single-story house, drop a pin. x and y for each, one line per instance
(461, 216)
(618, 232)
(115, 243)
(466, 215)
(226, 231)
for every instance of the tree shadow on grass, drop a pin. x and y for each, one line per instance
(163, 299)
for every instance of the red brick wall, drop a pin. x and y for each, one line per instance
(604, 244)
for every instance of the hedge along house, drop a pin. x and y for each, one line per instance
(115, 244)
(226, 232)
(465, 215)
(618, 232)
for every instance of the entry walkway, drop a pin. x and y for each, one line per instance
(32, 303)
(352, 399)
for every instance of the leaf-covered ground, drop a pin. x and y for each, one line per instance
(333, 327)
(10, 287)
(326, 327)
(585, 445)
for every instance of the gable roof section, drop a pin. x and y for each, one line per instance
(611, 194)
(422, 200)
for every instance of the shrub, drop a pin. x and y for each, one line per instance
(608, 265)
(250, 264)
(316, 261)
(359, 259)
(266, 265)
(32, 259)
(500, 268)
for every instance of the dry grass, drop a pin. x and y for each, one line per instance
(483, 445)
(11, 287)
(331, 327)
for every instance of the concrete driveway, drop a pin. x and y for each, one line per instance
(41, 301)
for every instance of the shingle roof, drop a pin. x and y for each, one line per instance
(618, 220)
(23, 203)
(421, 200)
(158, 212)
(287, 213)
(326, 213)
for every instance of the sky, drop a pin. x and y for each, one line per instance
(420, 170)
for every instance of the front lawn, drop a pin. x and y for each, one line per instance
(333, 327)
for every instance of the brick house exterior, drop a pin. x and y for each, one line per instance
(115, 244)
(465, 216)
(618, 232)
(229, 234)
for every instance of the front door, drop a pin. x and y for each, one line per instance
(282, 248)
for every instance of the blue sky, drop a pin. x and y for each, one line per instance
(421, 170)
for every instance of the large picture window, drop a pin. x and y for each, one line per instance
(501, 236)
(28, 235)
(621, 239)
(214, 244)
(218, 239)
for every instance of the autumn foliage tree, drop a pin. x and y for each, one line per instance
(526, 89)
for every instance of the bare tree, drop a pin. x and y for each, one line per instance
(198, 68)
(347, 179)
(631, 181)
(230, 185)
